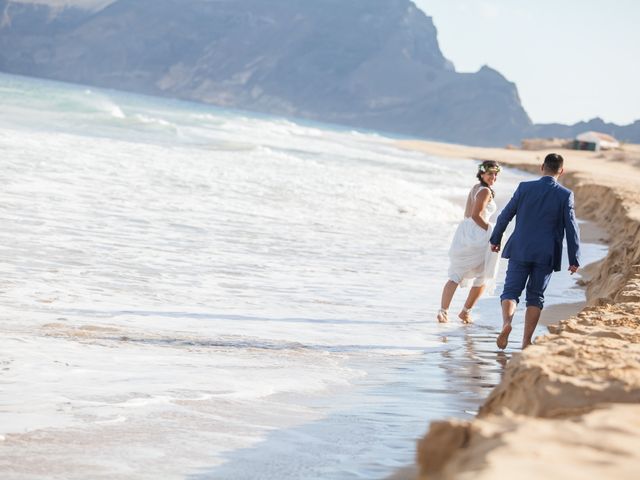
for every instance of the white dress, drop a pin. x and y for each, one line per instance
(470, 253)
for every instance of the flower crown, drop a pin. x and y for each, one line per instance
(489, 168)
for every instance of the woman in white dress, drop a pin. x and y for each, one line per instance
(470, 253)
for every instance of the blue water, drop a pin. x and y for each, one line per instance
(192, 292)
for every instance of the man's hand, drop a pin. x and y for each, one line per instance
(495, 248)
(573, 269)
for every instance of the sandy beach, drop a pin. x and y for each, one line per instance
(567, 407)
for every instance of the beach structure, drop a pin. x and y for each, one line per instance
(594, 141)
(546, 143)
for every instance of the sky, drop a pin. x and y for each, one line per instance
(571, 60)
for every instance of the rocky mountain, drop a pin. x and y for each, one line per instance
(625, 133)
(365, 63)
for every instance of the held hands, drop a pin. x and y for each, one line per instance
(573, 269)
(496, 249)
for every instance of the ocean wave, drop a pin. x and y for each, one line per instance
(84, 102)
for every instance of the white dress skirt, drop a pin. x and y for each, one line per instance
(470, 255)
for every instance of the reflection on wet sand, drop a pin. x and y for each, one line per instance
(474, 369)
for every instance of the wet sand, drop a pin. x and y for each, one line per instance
(568, 405)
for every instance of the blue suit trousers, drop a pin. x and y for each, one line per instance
(532, 275)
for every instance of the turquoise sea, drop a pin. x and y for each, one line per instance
(191, 292)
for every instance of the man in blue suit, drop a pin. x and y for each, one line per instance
(544, 214)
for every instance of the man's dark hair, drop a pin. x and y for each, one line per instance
(553, 163)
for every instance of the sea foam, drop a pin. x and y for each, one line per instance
(186, 279)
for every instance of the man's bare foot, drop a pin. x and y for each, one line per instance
(443, 316)
(503, 339)
(526, 343)
(465, 316)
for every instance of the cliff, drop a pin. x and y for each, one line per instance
(365, 63)
(372, 64)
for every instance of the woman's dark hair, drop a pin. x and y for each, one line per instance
(484, 167)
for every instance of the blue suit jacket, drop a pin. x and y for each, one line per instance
(544, 213)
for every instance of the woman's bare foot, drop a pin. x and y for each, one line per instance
(443, 316)
(465, 316)
(503, 339)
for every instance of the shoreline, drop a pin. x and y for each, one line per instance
(568, 404)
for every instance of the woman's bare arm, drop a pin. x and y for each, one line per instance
(482, 199)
